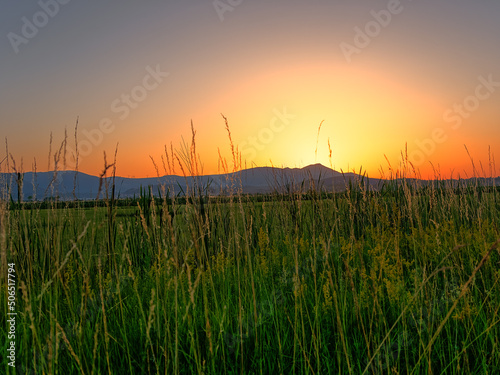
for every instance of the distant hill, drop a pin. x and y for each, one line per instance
(68, 185)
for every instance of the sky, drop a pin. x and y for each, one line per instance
(353, 85)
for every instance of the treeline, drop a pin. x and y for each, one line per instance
(392, 189)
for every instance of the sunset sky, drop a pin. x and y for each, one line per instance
(380, 74)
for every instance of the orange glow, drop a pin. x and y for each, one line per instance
(367, 116)
(274, 116)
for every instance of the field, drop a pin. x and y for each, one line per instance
(404, 280)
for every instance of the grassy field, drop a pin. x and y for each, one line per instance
(404, 280)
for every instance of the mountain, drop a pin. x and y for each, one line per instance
(68, 185)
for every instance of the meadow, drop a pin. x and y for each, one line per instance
(403, 280)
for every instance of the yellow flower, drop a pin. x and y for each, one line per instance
(327, 305)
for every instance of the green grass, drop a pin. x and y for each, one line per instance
(399, 281)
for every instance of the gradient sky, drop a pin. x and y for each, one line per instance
(275, 69)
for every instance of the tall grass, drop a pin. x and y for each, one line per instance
(401, 280)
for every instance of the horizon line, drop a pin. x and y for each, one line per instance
(397, 175)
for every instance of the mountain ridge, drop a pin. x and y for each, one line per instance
(69, 185)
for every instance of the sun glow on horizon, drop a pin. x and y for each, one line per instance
(275, 84)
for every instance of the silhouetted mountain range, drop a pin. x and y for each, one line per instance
(70, 184)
